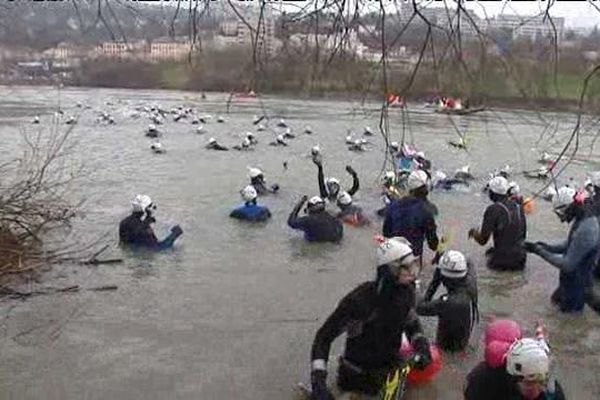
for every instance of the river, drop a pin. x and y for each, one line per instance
(231, 312)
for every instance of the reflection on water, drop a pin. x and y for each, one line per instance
(231, 312)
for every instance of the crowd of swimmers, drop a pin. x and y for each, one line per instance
(377, 314)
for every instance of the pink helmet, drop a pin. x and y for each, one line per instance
(499, 335)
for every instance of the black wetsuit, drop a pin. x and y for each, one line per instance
(412, 218)
(448, 183)
(505, 220)
(374, 324)
(216, 146)
(135, 232)
(317, 227)
(456, 310)
(324, 192)
(487, 383)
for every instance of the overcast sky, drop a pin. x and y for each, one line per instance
(577, 13)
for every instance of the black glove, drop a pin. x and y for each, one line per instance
(437, 257)
(472, 233)
(274, 187)
(530, 247)
(177, 231)
(422, 357)
(317, 159)
(318, 381)
(350, 170)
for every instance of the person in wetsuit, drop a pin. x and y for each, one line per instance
(576, 257)
(329, 189)
(514, 368)
(595, 207)
(318, 225)
(505, 220)
(442, 182)
(257, 179)
(488, 380)
(350, 213)
(250, 211)
(413, 216)
(136, 229)
(213, 145)
(457, 309)
(374, 316)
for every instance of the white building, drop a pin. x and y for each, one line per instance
(530, 28)
(170, 49)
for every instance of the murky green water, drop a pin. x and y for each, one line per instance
(231, 313)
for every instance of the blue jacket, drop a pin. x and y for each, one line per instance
(575, 258)
(251, 212)
(413, 219)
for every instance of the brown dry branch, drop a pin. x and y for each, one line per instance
(35, 201)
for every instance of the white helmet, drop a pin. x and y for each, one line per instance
(357, 142)
(514, 189)
(395, 249)
(156, 146)
(528, 358)
(498, 185)
(595, 178)
(248, 193)
(315, 200)
(212, 140)
(316, 203)
(420, 154)
(564, 197)
(279, 138)
(349, 139)
(141, 202)
(151, 127)
(465, 169)
(453, 264)
(315, 150)
(417, 179)
(505, 169)
(332, 182)
(543, 171)
(254, 172)
(345, 199)
(246, 142)
(249, 135)
(439, 176)
(394, 145)
(390, 176)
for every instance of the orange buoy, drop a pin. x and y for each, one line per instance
(528, 205)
